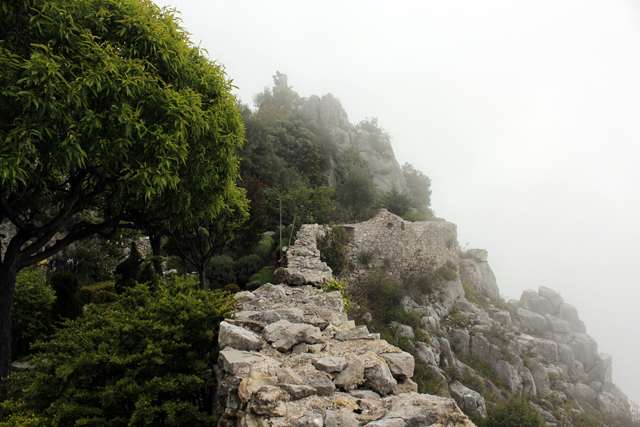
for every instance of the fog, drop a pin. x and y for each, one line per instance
(525, 115)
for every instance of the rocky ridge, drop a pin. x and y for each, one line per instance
(290, 357)
(536, 346)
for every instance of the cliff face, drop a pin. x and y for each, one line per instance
(374, 146)
(478, 344)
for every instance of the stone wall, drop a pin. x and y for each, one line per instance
(401, 246)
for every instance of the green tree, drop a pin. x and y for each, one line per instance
(101, 104)
(332, 245)
(308, 204)
(396, 202)
(146, 359)
(355, 192)
(419, 186)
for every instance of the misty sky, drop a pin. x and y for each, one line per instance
(525, 115)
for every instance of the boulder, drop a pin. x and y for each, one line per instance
(531, 322)
(528, 383)
(239, 338)
(557, 325)
(340, 419)
(503, 317)
(351, 377)
(284, 334)
(585, 350)
(554, 298)
(603, 370)
(475, 271)
(379, 379)
(254, 382)
(530, 300)
(401, 365)
(269, 401)
(470, 401)
(356, 333)
(311, 420)
(412, 409)
(232, 360)
(540, 378)
(460, 341)
(584, 392)
(570, 314)
(330, 364)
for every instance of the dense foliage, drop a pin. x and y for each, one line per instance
(144, 360)
(516, 412)
(332, 244)
(32, 305)
(108, 116)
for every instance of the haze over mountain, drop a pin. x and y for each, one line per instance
(524, 115)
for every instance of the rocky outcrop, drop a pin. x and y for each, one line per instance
(475, 271)
(302, 263)
(290, 357)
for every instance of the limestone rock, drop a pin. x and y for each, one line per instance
(530, 300)
(470, 401)
(475, 270)
(254, 382)
(401, 365)
(570, 314)
(330, 364)
(351, 377)
(414, 409)
(238, 338)
(541, 378)
(233, 360)
(311, 420)
(554, 298)
(284, 334)
(531, 322)
(340, 419)
(378, 378)
(270, 401)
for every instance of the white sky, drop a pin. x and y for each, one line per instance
(524, 114)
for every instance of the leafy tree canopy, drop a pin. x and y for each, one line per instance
(420, 187)
(105, 106)
(356, 190)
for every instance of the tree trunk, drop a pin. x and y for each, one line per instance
(155, 247)
(7, 288)
(203, 283)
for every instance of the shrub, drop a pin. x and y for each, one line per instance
(32, 303)
(333, 248)
(232, 288)
(68, 304)
(98, 293)
(220, 272)
(246, 267)
(265, 275)
(265, 248)
(447, 273)
(365, 258)
(335, 285)
(515, 412)
(146, 359)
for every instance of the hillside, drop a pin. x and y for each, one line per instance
(467, 342)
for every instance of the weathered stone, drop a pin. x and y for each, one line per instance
(585, 350)
(503, 317)
(270, 401)
(253, 382)
(546, 348)
(289, 376)
(603, 370)
(401, 365)
(584, 392)
(508, 374)
(554, 298)
(570, 314)
(238, 338)
(340, 419)
(402, 331)
(406, 385)
(311, 420)
(426, 354)
(477, 273)
(378, 378)
(323, 385)
(288, 334)
(540, 377)
(293, 315)
(531, 322)
(330, 364)
(470, 401)
(423, 410)
(351, 377)
(566, 356)
(298, 391)
(528, 383)
(530, 300)
(430, 323)
(352, 334)
(557, 325)
(232, 360)
(612, 406)
(460, 341)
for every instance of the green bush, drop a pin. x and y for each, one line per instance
(220, 272)
(246, 267)
(515, 412)
(265, 248)
(98, 293)
(333, 248)
(68, 304)
(232, 288)
(146, 359)
(265, 275)
(447, 273)
(335, 285)
(32, 303)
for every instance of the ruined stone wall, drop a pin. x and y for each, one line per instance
(401, 246)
